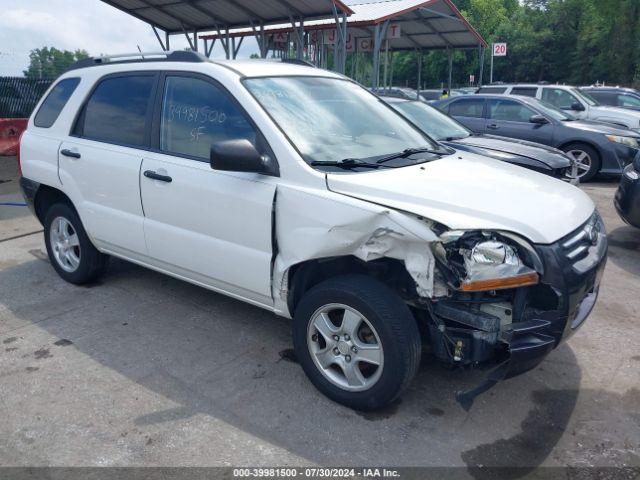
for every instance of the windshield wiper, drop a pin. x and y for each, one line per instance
(346, 163)
(459, 137)
(408, 152)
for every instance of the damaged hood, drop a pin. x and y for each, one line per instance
(467, 191)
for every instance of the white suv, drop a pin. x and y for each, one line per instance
(297, 190)
(577, 102)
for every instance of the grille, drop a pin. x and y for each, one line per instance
(581, 246)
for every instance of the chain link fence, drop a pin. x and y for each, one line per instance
(19, 95)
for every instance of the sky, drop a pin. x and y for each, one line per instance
(72, 24)
(81, 24)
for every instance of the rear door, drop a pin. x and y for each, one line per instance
(100, 162)
(209, 226)
(511, 118)
(469, 112)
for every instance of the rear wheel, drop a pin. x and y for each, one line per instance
(357, 341)
(587, 160)
(70, 251)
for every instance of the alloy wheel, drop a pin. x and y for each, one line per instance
(65, 244)
(583, 161)
(345, 347)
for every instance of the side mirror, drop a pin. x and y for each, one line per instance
(240, 156)
(539, 119)
(577, 106)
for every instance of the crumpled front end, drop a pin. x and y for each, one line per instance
(514, 329)
(485, 298)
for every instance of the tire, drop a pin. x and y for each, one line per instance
(582, 153)
(76, 260)
(386, 326)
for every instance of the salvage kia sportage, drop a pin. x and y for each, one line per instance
(297, 190)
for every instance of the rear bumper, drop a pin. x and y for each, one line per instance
(29, 189)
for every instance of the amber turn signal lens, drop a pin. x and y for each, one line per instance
(523, 280)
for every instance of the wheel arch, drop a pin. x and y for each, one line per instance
(589, 143)
(303, 276)
(47, 196)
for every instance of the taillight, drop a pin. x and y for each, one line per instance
(18, 153)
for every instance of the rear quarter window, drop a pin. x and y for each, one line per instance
(496, 90)
(524, 91)
(58, 97)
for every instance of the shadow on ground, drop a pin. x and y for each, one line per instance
(624, 246)
(216, 356)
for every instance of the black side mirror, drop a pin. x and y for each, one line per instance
(241, 156)
(577, 106)
(539, 119)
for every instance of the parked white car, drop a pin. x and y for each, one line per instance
(297, 190)
(573, 100)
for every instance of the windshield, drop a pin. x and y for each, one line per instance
(584, 96)
(330, 119)
(435, 123)
(554, 112)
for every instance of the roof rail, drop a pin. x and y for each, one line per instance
(175, 56)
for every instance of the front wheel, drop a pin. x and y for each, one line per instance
(587, 160)
(357, 341)
(70, 251)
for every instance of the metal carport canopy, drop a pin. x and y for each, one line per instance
(424, 25)
(178, 16)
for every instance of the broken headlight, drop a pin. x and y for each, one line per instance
(483, 261)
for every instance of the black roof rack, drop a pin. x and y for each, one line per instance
(137, 57)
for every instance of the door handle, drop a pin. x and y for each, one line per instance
(70, 153)
(156, 176)
(493, 126)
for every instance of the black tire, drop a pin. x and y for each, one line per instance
(92, 263)
(393, 322)
(593, 154)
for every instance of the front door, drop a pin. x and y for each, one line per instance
(209, 226)
(564, 100)
(511, 118)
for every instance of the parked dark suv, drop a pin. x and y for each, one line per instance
(615, 96)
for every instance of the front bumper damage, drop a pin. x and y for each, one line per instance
(514, 340)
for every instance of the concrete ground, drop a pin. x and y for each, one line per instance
(142, 369)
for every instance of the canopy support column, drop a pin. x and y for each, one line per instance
(419, 74)
(379, 33)
(299, 37)
(208, 48)
(340, 46)
(164, 45)
(193, 44)
(481, 61)
(261, 38)
(450, 58)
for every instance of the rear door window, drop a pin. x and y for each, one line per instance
(467, 107)
(509, 111)
(54, 103)
(118, 111)
(525, 91)
(196, 114)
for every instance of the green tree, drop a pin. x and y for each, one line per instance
(49, 62)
